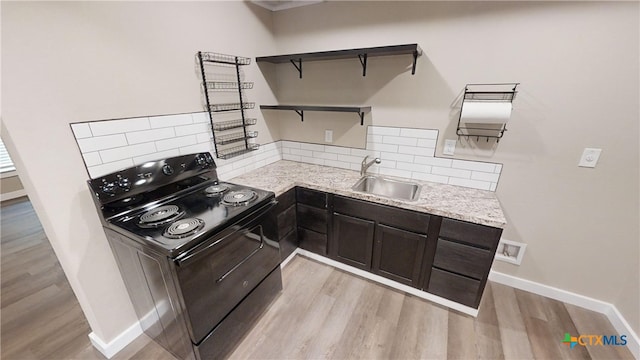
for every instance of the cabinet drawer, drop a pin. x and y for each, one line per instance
(312, 218)
(462, 259)
(285, 200)
(286, 221)
(387, 215)
(480, 235)
(311, 197)
(454, 287)
(313, 241)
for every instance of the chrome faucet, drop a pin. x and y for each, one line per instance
(365, 165)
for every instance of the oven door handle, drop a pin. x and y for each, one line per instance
(240, 263)
(253, 218)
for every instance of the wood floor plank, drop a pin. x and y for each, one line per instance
(461, 337)
(488, 340)
(513, 332)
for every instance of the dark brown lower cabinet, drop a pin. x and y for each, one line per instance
(283, 218)
(313, 220)
(398, 254)
(458, 288)
(352, 241)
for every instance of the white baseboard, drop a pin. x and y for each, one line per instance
(117, 344)
(12, 195)
(617, 320)
(393, 284)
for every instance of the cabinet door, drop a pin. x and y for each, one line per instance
(398, 254)
(352, 241)
(312, 241)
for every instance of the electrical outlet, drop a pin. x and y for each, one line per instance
(328, 136)
(510, 251)
(449, 147)
(589, 157)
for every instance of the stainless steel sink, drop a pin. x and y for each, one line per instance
(394, 189)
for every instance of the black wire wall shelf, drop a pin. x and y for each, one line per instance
(233, 124)
(361, 53)
(220, 138)
(300, 109)
(228, 85)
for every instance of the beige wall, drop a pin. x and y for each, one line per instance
(65, 62)
(579, 68)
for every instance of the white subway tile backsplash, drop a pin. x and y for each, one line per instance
(300, 152)
(269, 147)
(201, 128)
(138, 160)
(350, 159)
(395, 172)
(396, 156)
(201, 117)
(478, 175)
(109, 127)
(101, 142)
(412, 167)
(398, 140)
(337, 150)
(463, 174)
(383, 130)
(81, 130)
(170, 120)
(498, 169)
(99, 170)
(382, 147)
(419, 133)
(290, 144)
(127, 152)
(204, 137)
(92, 159)
(430, 177)
(312, 147)
(414, 150)
(476, 184)
(137, 137)
(362, 153)
(291, 157)
(324, 155)
(493, 186)
(197, 148)
(473, 165)
(338, 164)
(426, 143)
(374, 138)
(176, 142)
(311, 160)
(387, 164)
(432, 161)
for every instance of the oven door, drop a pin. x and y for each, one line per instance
(216, 276)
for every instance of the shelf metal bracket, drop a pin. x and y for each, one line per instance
(415, 60)
(298, 66)
(301, 113)
(363, 61)
(361, 118)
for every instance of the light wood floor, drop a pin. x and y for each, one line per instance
(322, 313)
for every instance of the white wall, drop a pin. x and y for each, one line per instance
(65, 62)
(578, 63)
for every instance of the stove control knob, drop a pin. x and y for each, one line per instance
(167, 170)
(124, 183)
(201, 161)
(108, 188)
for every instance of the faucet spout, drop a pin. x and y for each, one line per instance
(365, 165)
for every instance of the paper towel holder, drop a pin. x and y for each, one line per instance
(489, 93)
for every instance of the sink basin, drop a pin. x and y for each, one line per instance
(394, 189)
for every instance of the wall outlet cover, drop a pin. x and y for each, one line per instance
(328, 136)
(449, 147)
(589, 157)
(510, 251)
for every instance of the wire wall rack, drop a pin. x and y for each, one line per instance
(494, 103)
(216, 81)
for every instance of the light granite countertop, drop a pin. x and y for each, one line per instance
(456, 202)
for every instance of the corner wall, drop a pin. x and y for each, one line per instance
(65, 62)
(578, 65)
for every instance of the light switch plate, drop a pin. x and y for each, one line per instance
(589, 157)
(328, 136)
(449, 147)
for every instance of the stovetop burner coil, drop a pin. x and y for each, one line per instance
(216, 190)
(240, 197)
(183, 228)
(160, 216)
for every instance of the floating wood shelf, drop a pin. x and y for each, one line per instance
(300, 109)
(362, 54)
